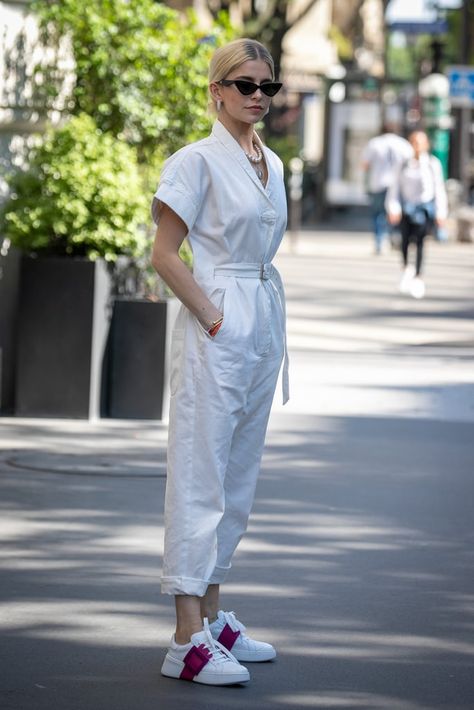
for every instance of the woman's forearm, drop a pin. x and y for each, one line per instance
(180, 280)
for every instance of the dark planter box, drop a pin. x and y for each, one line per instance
(9, 292)
(137, 359)
(64, 314)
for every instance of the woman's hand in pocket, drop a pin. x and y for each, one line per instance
(209, 321)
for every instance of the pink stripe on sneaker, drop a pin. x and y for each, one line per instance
(227, 637)
(194, 661)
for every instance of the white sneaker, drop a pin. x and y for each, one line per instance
(231, 633)
(417, 287)
(203, 660)
(406, 280)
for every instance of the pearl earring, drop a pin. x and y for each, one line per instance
(218, 105)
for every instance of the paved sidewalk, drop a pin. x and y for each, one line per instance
(359, 346)
(358, 559)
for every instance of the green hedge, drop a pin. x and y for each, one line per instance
(80, 196)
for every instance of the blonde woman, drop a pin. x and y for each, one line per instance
(226, 194)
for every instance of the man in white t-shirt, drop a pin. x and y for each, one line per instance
(382, 158)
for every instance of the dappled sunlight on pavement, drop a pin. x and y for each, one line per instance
(358, 347)
(358, 561)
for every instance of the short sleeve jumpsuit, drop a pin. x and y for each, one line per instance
(222, 387)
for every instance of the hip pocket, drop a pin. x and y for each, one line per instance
(217, 298)
(176, 367)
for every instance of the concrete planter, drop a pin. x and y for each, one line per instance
(138, 355)
(64, 313)
(9, 294)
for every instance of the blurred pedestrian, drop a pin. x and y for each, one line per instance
(381, 158)
(226, 193)
(417, 200)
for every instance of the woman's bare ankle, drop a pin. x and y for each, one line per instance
(210, 603)
(188, 618)
(210, 615)
(183, 634)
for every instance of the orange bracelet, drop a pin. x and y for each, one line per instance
(215, 328)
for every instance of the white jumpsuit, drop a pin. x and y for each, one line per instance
(222, 387)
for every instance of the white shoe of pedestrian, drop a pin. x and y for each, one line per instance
(417, 288)
(230, 632)
(203, 660)
(406, 280)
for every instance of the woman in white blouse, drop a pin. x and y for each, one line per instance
(226, 194)
(416, 200)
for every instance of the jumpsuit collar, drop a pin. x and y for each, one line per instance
(220, 132)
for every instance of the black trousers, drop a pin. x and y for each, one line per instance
(415, 233)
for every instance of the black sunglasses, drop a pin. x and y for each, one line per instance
(247, 88)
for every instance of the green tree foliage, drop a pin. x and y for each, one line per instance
(141, 68)
(404, 60)
(454, 39)
(139, 93)
(81, 196)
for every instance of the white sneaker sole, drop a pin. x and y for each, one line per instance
(249, 657)
(172, 668)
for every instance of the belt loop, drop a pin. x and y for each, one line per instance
(262, 271)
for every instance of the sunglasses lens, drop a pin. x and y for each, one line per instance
(246, 87)
(271, 89)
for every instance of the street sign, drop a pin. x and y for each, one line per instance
(461, 86)
(436, 27)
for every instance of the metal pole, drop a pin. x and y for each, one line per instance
(466, 35)
(465, 113)
(464, 139)
(296, 166)
(386, 69)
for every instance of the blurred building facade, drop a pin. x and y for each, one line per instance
(310, 57)
(21, 112)
(336, 91)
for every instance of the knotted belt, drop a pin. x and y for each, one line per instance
(264, 272)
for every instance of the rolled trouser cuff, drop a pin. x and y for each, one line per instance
(184, 585)
(219, 575)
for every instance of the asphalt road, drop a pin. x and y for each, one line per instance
(358, 562)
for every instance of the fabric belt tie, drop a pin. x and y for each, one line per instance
(263, 272)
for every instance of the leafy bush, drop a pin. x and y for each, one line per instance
(80, 196)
